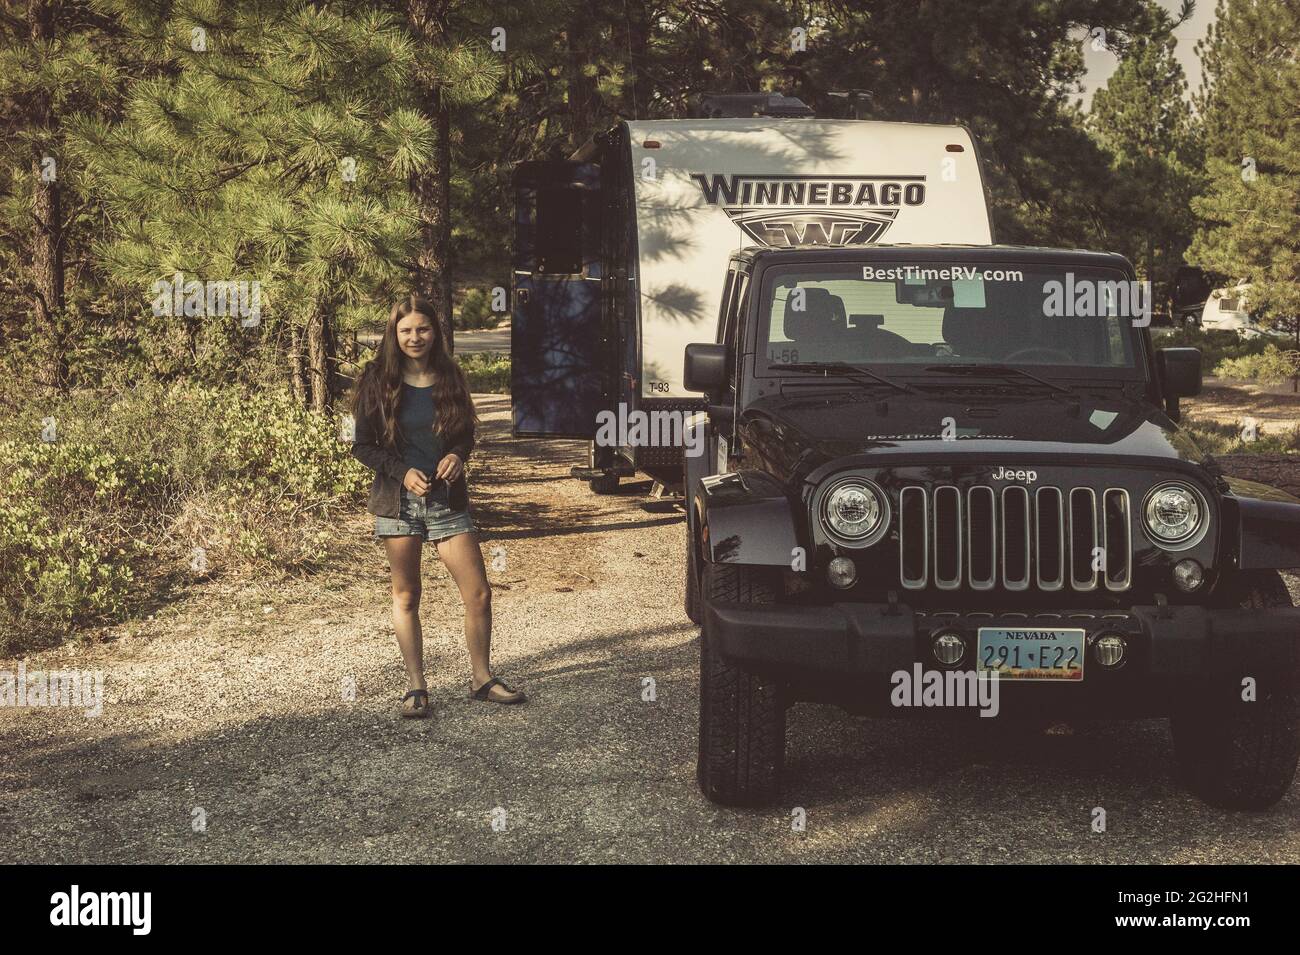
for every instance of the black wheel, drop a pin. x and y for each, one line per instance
(605, 484)
(742, 714)
(1236, 754)
(694, 605)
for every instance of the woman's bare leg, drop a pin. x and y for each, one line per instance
(464, 562)
(404, 559)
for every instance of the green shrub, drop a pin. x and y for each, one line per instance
(476, 310)
(206, 437)
(69, 516)
(1271, 366)
(487, 372)
(1216, 344)
(133, 482)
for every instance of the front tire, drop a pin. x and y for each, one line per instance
(1236, 754)
(694, 605)
(742, 714)
(605, 484)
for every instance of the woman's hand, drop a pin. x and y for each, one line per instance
(416, 482)
(450, 468)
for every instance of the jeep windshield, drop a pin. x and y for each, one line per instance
(932, 318)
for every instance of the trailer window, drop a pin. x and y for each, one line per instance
(561, 212)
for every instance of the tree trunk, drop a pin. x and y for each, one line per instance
(431, 186)
(318, 360)
(442, 240)
(632, 35)
(582, 94)
(47, 237)
(297, 368)
(336, 350)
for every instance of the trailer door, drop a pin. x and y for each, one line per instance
(559, 350)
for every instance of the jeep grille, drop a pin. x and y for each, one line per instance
(1018, 537)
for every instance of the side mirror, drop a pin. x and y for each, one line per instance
(706, 368)
(1180, 375)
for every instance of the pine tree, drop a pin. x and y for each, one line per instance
(54, 64)
(274, 148)
(1250, 214)
(1144, 122)
(455, 68)
(1007, 70)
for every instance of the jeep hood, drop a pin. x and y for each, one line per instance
(796, 434)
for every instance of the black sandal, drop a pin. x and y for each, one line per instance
(483, 693)
(421, 710)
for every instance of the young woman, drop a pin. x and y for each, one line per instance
(415, 426)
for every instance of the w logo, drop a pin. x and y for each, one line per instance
(814, 228)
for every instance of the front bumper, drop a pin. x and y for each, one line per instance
(846, 651)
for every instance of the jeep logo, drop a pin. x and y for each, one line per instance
(1003, 474)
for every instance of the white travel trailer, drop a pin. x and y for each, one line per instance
(620, 257)
(1228, 309)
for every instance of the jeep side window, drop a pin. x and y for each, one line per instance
(724, 310)
(735, 332)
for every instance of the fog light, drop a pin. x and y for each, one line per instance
(842, 572)
(1188, 575)
(1109, 649)
(949, 648)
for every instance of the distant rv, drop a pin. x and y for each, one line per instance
(621, 251)
(1228, 309)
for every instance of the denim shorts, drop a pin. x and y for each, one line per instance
(432, 519)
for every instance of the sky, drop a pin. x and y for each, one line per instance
(1102, 64)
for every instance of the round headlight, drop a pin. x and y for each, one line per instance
(1174, 514)
(854, 512)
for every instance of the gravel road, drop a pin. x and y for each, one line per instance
(226, 734)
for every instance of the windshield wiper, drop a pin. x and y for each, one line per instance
(996, 371)
(844, 369)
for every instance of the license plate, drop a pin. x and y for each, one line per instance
(1026, 653)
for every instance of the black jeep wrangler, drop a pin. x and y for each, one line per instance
(967, 460)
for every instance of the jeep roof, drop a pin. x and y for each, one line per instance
(1024, 253)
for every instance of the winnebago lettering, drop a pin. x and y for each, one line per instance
(756, 190)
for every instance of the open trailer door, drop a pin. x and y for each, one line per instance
(559, 350)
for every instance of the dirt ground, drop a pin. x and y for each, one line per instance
(1274, 407)
(227, 734)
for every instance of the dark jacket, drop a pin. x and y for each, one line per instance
(386, 462)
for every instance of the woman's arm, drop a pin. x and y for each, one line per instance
(367, 449)
(461, 443)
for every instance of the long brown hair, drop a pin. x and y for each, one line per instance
(380, 386)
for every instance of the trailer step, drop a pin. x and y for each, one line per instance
(661, 491)
(664, 499)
